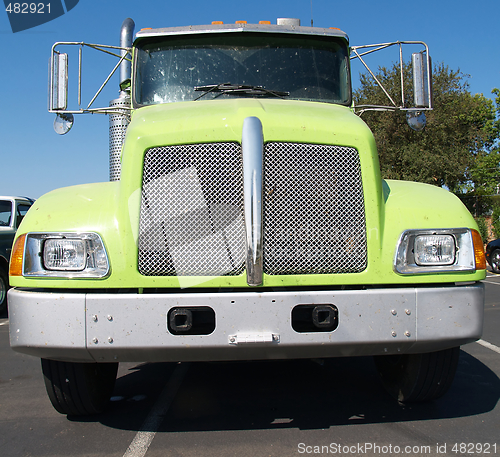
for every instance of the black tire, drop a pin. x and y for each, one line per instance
(79, 389)
(4, 287)
(418, 377)
(495, 261)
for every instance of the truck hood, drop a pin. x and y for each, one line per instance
(148, 195)
(222, 120)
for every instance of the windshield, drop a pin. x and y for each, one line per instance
(290, 66)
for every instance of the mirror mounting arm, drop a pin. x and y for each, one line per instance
(422, 82)
(58, 77)
(422, 75)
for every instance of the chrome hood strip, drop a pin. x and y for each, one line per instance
(252, 145)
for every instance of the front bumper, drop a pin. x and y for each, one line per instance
(103, 327)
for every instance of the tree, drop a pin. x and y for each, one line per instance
(458, 129)
(484, 173)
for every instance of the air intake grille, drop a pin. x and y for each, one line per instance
(314, 217)
(191, 221)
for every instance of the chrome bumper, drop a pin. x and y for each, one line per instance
(249, 325)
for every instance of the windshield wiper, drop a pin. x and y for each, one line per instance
(237, 89)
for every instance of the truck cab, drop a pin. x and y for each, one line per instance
(245, 218)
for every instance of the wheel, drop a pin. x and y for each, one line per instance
(418, 377)
(79, 389)
(4, 286)
(495, 261)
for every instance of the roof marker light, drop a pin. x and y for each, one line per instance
(217, 22)
(265, 22)
(241, 22)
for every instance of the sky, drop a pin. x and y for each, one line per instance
(35, 160)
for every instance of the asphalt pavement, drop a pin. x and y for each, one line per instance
(283, 408)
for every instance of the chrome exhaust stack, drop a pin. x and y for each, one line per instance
(126, 40)
(118, 123)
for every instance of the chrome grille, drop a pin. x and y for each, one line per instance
(314, 218)
(191, 221)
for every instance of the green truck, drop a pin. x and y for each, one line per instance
(245, 219)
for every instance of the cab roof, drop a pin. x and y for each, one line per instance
(241, 27)
(12, 198)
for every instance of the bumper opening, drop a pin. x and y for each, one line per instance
(315, 318)
(191, 321)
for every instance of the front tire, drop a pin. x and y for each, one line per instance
(495, 261)
(79, 389)
(4, 286)
(418, 377)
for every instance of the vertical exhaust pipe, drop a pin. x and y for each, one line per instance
(118, 123)
(126, 39)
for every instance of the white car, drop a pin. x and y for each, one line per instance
(12, 211)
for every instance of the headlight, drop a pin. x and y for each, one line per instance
(434, 250)
(64, 255)
(439, 250)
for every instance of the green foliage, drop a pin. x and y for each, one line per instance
(484, 173)
(483, 228)
(495, 221)
(460, 128)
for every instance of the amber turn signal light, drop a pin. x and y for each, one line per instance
(16, 258)
(478, 250)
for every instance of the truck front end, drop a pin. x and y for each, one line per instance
(250, 221)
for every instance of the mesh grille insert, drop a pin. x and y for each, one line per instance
(191, 221)
(314, 217)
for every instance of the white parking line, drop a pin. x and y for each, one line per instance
(142, 440)
(488, 345)
(491, 282)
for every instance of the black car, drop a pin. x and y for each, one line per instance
(493, 255)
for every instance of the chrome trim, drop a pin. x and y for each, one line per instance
(97, 266)
(58, 88)
(404, 258)
(252, 145)
(118, 124)
(370, 48)
(76, 326)
(126, 39)
(111, 50)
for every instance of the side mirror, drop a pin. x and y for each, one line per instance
(422, 83)
(416, 120)
(422, 80)
(422, 90)
(63, 123)
(58, 99)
